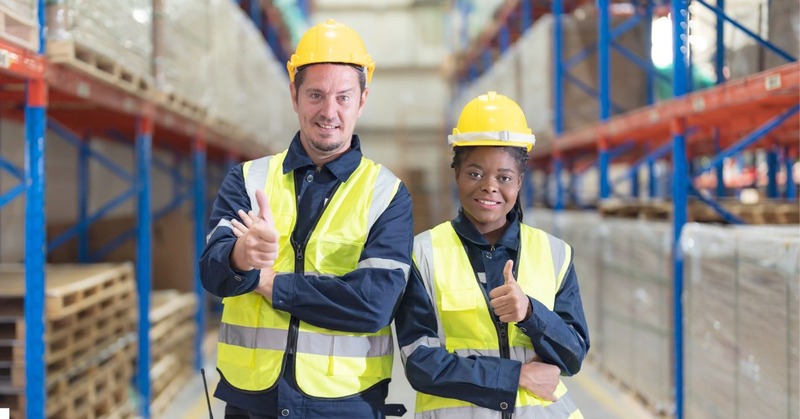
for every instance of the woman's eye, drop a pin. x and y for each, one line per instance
(504, 179)
(475, 175)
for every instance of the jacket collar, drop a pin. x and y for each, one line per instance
(342, 167)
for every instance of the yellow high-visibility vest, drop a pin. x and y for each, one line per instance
(254, 336)
(466, 326)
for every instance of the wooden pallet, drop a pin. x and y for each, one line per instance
(767, 212)
(167, 377)
(181, 105)
(95, 391)
(85, 59)
(19, 29)
(14, 400)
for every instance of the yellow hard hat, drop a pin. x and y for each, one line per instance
(492, 120)
(330, 42)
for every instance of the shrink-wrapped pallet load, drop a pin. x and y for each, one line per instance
(109, 40)
(19, 23)
(743, 307)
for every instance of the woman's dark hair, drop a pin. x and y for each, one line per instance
(519, 154)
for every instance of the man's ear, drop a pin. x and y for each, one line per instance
(363, 99)
(293, 93)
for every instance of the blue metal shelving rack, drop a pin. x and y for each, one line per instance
(118, 116)
(675, 124)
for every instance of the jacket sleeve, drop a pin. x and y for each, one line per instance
(560, 337)
(363, 300)
(216, 273)
(482, 380)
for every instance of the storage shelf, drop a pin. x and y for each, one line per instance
(733, 108)
(20, 63)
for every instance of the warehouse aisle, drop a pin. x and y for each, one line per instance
(597, 397)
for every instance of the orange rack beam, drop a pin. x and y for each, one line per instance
(83, 102)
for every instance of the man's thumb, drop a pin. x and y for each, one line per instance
(508, 271)
(264, 210)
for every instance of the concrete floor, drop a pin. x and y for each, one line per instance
(597, 397)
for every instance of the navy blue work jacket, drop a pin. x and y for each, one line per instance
(363, 300)
(560, 337)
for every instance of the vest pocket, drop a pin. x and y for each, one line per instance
(333, 256)
(458, 299)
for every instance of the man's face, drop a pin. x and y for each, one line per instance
(328, 103)
(488, 184)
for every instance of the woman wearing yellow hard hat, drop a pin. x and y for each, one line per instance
(492, 313)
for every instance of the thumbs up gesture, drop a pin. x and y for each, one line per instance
(257, 246)
(509, 302)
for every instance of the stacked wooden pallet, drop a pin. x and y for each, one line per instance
(764, 212)
(172, 335)
(90, 319)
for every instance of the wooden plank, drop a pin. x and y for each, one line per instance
(85, 59)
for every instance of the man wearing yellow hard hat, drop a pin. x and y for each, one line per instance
(310, 249)
(492, 314)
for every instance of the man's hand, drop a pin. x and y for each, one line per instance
(265, 281)
(257, 246)
(508, 301)
(266, 277)
(540, 379)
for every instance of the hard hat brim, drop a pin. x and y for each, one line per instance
(495, 138)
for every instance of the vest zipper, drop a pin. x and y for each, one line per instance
(299, 267)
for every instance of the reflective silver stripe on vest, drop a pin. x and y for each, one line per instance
(253, 337)
(382, 195)
(222, 223)
(384, 264)
(423, 249)
(426, 341)
(255, 179)
(343, 345)
(560, 409)
(559, 253)
(516, 353)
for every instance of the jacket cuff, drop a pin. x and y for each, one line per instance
(283, 291)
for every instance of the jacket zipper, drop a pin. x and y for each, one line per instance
(299, 267)
(500, 327)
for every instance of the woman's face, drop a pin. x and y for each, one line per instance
(488, 184)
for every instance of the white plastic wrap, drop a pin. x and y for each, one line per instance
(250, 90)
(117, 31)
(20, 22)
(182, 50)
(743, 305)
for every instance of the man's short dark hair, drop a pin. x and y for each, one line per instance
(362, 76)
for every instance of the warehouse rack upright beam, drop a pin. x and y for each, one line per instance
(103, 109)
(131, 119)
(680, 121)
(35, 114)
